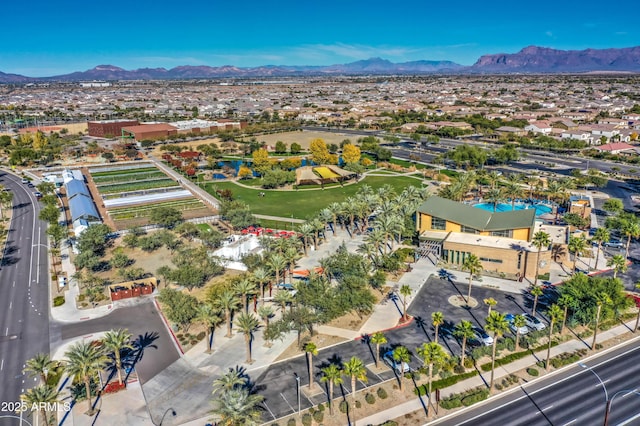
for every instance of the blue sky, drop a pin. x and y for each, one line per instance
(48, 37)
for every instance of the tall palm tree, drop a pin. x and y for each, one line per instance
(40, 365)
(494, 196)
(291, 255)
(512, 191)
(307, 232)
(378, 338)
(618, 263)
(405, 291)
(115, 341)
(602, 299)
(332, 374)
(84, 361)
(245, 288)
(39, 397)
(277, 263)
(326, 217)
(490, 302)
(283, 298)
(336, 211)
(228, 302)
(247, 323)
(600, 237)
(630, 229)
(266, 312)
(498, 325)
(238, 407)
(232, 379)
(463, 330)
(540, 239)
(401, 356)
(355, 369)
(210, 317)
(311, 350)
(554, 313)
(536, 292)
(437, 319)
(261, 276)
(473, 265)
(519, 321)
(577, 246)
(432, 354)
(565, 301)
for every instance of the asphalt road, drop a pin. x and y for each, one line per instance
(573, 397)
(140, 319)
(24, 289)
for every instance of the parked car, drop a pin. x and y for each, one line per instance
(522, 330)
(534, 323)
(614, 244)
(398, 367)
(481, 337)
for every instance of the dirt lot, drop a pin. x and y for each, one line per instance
(304, 138)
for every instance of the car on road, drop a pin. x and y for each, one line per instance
(25, 180)
(38, 194)
(614, 244)
(510, 319)
(397, 366)
(534, 323)
(481, 337)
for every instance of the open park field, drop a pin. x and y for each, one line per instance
(303, 204)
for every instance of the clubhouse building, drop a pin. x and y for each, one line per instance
(450, 231)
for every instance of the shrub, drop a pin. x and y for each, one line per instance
(382, 394)
(307, 419)
(468, 362)
(321, 407)
(318, 416)
(514, 356)
(533, 371)
(58, 301)
(291, 422)
(475, 397)
(358, 404)
(466, 398)
(201, 335)
(444, 383)
(498, 386)
(370, 398)
(81, 297)
(343, 407)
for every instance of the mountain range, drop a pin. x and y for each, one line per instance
(531, 59)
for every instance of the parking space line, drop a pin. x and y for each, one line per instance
(293, 410)
(268, 409)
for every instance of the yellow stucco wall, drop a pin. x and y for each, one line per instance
(521, 234)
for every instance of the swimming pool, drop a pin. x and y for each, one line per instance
(506, 207)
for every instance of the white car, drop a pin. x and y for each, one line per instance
(398, 367)
(534, 323)
(516, 330)
(482, 337)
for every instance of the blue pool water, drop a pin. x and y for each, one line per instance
(506, 207)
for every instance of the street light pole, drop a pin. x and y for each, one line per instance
(173, 413)
(606, 394)
(298, 382)
(610, 402)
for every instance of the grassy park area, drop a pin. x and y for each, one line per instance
(303, 204)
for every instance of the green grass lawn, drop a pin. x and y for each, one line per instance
(304, 204)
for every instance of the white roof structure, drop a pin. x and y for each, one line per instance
(147, 198)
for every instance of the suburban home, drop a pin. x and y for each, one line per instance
(618, 148)
(578, 135)
(541, 126)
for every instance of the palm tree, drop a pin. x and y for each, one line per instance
(247, 323)
(266, 312)
(277, 263)
(490, 302)
(512, 191)
(335, 210)
(84, 360)
(577, 246)
(536, 292)
(115, 341)
(39, 397)
(326, 216)
(432, 354)
(618, 263)
(401, 356)
(378, 339)
(474, 266)
(228, 302)
(307, 232)
(437, 319)
(518, 322)
(602, 299)
(245, 288)
(238, 407)
(355, 369)
(494, 196)
(405, 291)
(232, 379)
(540, 239)
(464, 330)
(312, 350)
(554, 313)
(601, 236)
(291, 255)
(332, 374)
(40, 365)
(566, 301)
(498, 325)
(630, 229)
(210, 317)
(261, 276)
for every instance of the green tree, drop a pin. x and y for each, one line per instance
(577, 246)
(540, 239)
(57, 233)
(238, 407)
(490, 302)
(554, 313)
(245, 288)
(167, 217)
(432, 354)
(83, 361)
(600, 237)
(247, 323)
(49, 214)
(181, 308)
(618, 263)
(498, 325)
(536, 292)
(464, 331)
(41, 396)
(405, 292)
(311, 350)
(613, 205)
(228, 302)
(232, 379)
(601, 299)
(40, 365)
(378, 338)
(519, 321)
(94, 239)
(211, 318)
(473, 265)
(565, 301)
(115, 341)
(401, 356)
(119, 260)
(437, 319)
(332, 374)
(630, 229)
(266, 312)
(355, 369)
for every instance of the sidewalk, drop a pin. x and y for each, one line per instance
(500, 372)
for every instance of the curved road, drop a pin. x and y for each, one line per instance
(24, 293)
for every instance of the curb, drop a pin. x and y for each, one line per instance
(401, 325)
(166, 324)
